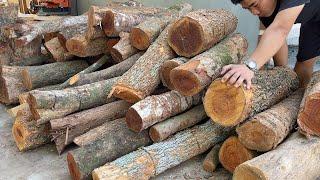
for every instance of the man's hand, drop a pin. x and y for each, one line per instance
(236, 74)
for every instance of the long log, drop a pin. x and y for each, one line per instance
(232, 153)
(150, 161)
(282, 163)
(230, 106)
(157, 108)
(309, 114)
(23, 97)
(142, 79)
(47, 105)
(65, 130)
(200, 30)
(27, 134)
(57, 50)
(123, 49)
(166, 69)
(111, 72)
(49, 74)
(211, 161)
(266, 130)
(195, 75)
(164, 129)
(34, 60)
(117, 141)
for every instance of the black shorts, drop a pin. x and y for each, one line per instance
(309, 41)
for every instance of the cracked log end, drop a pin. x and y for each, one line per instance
(232, 153)
(309, 117)
(139, 39)
(20, 134)
(73, 168)
(108, 23)
(127, 94)
(225, 104)
(184, 80)
(134, 121)
(186, 37)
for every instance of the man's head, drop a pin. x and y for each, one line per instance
(261, 8)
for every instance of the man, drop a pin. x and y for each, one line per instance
(278, 16)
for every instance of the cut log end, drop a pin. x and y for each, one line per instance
(73, 168)
(76, 47)
(155, 135)
(233, 153)
(165, 73)
(225, 104)
(134, 121)
(116, 55)
(74, 79)
(27, 80)
(139, 39)
(244, 172)
(31, 100)
(19, 134)
(127, 94)
(309, 118)
(108, 23)
(186, 37)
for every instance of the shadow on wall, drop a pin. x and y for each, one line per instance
(248, 24)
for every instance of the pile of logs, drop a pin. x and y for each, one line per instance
(137, 89)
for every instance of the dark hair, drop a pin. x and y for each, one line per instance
(236, 1)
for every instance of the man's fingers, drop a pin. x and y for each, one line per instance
(225, 69)
(239, 81)
(227, 76)
(234, 78)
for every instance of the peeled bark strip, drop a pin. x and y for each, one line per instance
(117, 142)
(229, 106)
(164, 129)
(232, 153)
(282, 163)
(81, 122)
(47, 105)
(266, 130)
(80, 46)
(166, 69)
(57, 50)
(14, 111)
(309, 115)
(195, 75)
(150, 161)
(27, 134)
(200, 30)
(157, 108)
(143, 78)
(49, 74)
(111, 72)
(123, 49)
(211, 161)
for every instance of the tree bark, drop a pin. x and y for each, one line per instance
(166, 69)
(195, 75)
(14, 111)
(47, 105)
(164, 129)
(23, 97)
(117, 142)
(211, 161)
(34, 60)
(232, 153)
(309, 114)
(200, 30)
(81, 122)
(266, 130)
(282, 163)
(157, 108)
(142, 79)
(57, 50)
(8, 15)
(49, 74)
(152, 160)
(111, 72)
(229, 106)
(123, 49)
(27, 134)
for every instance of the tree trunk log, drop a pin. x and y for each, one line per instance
(123, 49)
(166, 69)
(266, 130)
(157, 108)
(27, 134)
(80, 46)
(142, 79)
(282, 163)
(81, 122)
(116, 142)
(14, 111)
(200, 71)
(49, 74)
(309, 114)
(57, 50)
(200, 30)
(23, 97)
(232, 153)
(211, 161)
(229, 106)
(164, 129)
(111, 72)
(47, 105)
(152, 160)
(34, 60)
